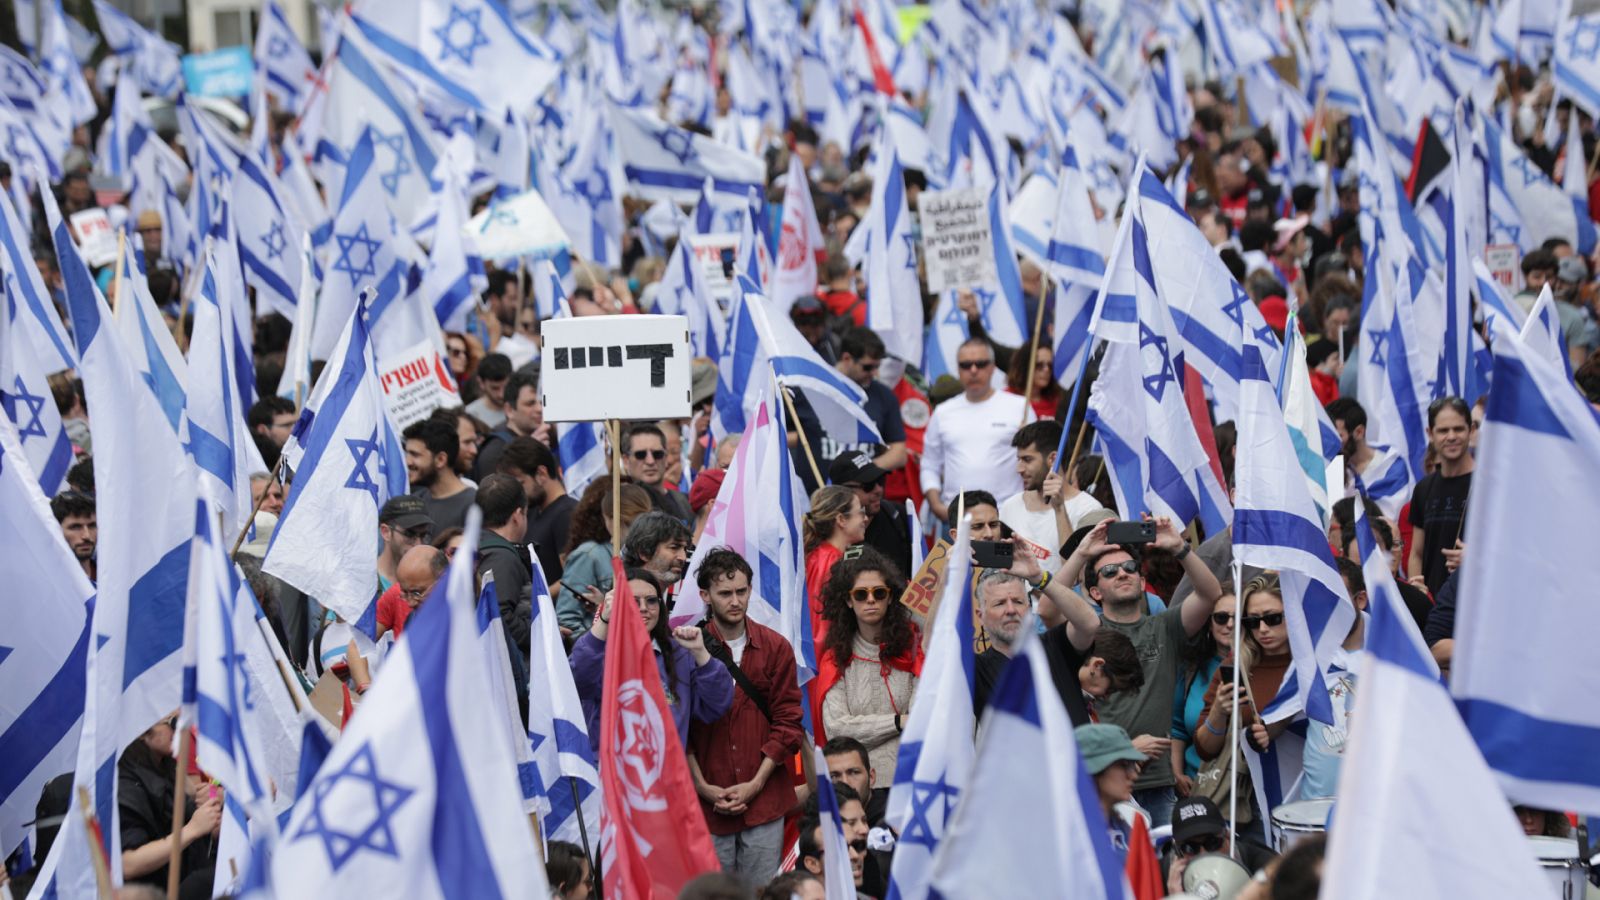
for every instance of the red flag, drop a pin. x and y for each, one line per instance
(1143, 869)
(653, 834)
(881, 79)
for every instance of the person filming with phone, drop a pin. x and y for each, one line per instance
(1109, 559)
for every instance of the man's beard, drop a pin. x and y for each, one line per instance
(426, 479)
(1349, 448)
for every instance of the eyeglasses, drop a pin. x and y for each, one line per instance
(861, 595)
(642, 455)
(1223, 618)
(647, 600)
(1209, 844)
(973, 364)
(413, 595)
(1110, 570)
(458, 351)
(420, 533)
(1271, 620)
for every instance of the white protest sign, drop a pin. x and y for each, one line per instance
(1505, 262)
(97, 240)
(415, 384)
(957, 249)
(708, 250)
(615, 367)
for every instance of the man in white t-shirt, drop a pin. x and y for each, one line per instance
(967, 445)
(1040, 516)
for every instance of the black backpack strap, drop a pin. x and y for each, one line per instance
(719, 651)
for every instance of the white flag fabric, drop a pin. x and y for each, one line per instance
(838, 879)
(327, 538)
(269, 235)
(1521, 675)
(663, 161)
(936, 748)
(283, 66)
(1473, 846)
(565, 769)
(800, 245)
(1043, 836)
(419, 797)
(42, 665)
(894, 290)
(521, 225)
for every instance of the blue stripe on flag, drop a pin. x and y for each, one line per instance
(686, 181)
(155, 613)
(47, 718)
(1276, 528)
(1531, 748)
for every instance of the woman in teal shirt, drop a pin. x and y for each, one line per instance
(586, 569)
(1201, 657)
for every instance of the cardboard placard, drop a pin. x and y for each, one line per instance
(416, 384)
(708, 255)
(1505, 262)
(97, 240)
(615, 367)
(922, 595)
(957, 248)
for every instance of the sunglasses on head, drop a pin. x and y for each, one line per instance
(972, 364)
(1272, 620)
(860, 595)
(1209, 844)
(1110, 570)
(643, 455)
(1222, 618)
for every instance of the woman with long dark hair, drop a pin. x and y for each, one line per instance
(147, 778)
(870, 659)
(696, 685)
(1047, 393)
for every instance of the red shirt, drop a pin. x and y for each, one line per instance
(1325, 386)
(845, 303)
(393, 610)
(730, 749)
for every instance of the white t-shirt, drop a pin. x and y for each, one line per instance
(1037, 529)
(1078, 506)
(736, 647)
(967, 446)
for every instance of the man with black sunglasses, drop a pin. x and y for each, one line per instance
(644, 458)
(1197, 827)
(1113, 580)
(967, 445)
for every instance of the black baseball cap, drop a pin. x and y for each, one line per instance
(404, 512)
(855, 468)
(1196, 817)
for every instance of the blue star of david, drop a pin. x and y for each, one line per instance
(1156, 385)
(678, 143)
(35, 407)
(986, 302)
(1583, 41)
(402, 165)
(275, 241)
(1101, 175)
(277, 48)
(349, 242)
(15, 133)
(361, 451)
(340, 833)
(13, 80)
(1376, 357)
(1266, 335)
(503, 216)
(569, 190)
(1235, 308)
(911, 251)
(955, 316)
(4, 652)
(447, 33)
(246, 693)
(925, 797)
(1530, 173)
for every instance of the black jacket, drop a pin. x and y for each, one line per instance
(513, 580)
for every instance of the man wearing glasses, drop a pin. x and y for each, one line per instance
(403, 523)
(644, 458)
(968, 442)
(1197, 827)
(418, 572)
(1113, 579)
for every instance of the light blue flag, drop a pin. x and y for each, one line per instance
(269, 238)
(470, 51)
(419, 797)
(936, 750)
(283, 67)
(1276, 526)
(153, 61)
(26, 397)
(1153, 453)
(365, 253)
(46, 607)
(563, 759)
(1521, 673)
(1041, 836)
(1474, 848)
(352, 463)
(146, 500)
(838, 877)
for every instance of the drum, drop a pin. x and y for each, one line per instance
(1294, 822)
(1559, 857)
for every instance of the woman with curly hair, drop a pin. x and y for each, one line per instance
(586, 569)
(871, 658)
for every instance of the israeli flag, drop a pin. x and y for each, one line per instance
(25, 289)
(1042, 836)
(682, 292)
(153, 62)
(945, 335)
(125, 131)
(936, 750)
(502, 697)
(1544, 209)
(283, 67)
(1276, 526)
(26, 397)
(351, 465)
(1475, 846)
(662, 161)
(269, 234)
(146, 498)
(1074, 260)
(564, 764)
(1137, 405)
(366, 256)
(1542, 334)
(1391, 368)
(454, 275)
(1236, 43)
(1521, 670)
(585, 193)
(894, 290)
(46, 607)
(1315, 440)
(838, 878)
(419, 797)
(470, 51)
(151, 348)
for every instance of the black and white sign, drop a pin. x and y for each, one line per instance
(957, 249)
(615, 367)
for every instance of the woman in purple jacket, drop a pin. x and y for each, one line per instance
(696, 684)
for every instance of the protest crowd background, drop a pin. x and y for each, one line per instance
(1073, 449)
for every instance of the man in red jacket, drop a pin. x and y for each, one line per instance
(740, 762)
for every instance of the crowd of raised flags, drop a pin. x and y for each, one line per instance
(429, 143)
